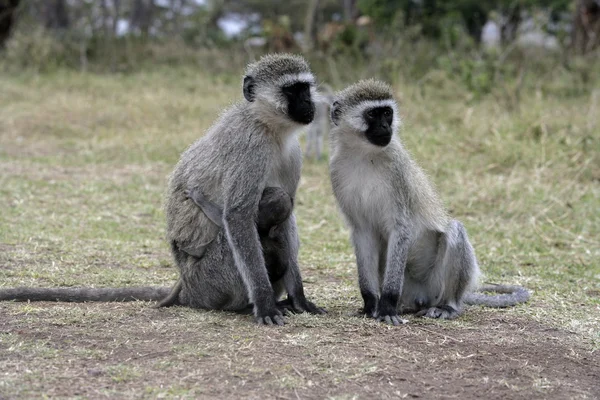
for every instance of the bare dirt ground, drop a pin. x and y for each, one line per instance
(125, 350)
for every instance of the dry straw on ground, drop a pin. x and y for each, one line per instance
(83, 166)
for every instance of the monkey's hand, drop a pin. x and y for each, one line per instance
(269, 317)
(296, 305)
(389, 315)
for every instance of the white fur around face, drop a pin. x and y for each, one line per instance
(355, 115)
(290, 79)
(352, 126)
(271, 103)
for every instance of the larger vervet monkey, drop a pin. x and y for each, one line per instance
(411, 256)
(249, 150)
(252, 147)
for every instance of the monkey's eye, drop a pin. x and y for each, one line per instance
(371, 114)
(387, 113)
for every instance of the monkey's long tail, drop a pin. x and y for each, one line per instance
(144, 293)
(507, 296)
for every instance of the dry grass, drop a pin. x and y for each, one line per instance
(83, 167)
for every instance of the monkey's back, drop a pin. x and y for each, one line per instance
(204, 164)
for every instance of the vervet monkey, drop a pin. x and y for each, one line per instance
(411, 256)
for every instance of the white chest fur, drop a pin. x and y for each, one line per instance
(285, 165)
(363, 194)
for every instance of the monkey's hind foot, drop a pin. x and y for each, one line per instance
(441, 312)
(295, 306)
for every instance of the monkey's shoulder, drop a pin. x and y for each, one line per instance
(420, 195)
(235, 138)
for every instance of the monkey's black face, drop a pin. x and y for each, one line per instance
(301, 108)
(379, 121)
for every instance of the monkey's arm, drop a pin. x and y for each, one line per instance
(393, 279)
(367, 261)
(507, 296)
(242, 191)
(210, 209)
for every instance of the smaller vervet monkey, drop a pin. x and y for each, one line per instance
(411, 255)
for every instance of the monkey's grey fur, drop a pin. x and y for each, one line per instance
(410, 254)
(274, 209)
(253, 145)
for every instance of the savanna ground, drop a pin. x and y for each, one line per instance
(84, 161)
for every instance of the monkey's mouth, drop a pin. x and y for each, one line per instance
(302, 115)
(380, 140)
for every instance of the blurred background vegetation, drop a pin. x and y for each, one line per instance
(482, 46)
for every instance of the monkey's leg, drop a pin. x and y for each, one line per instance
(212, 282)
(288, 256)
(181, 253)
(210, 209)
(455, 270)
(393, 280)
(367, 259)
(274, 208)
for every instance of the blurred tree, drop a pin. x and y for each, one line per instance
(8, 9)
(56, 15)
(309, 24)
(350, 10)
(433, 16)
(142, 13)
(586, 26)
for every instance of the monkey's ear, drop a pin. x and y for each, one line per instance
(335, 112)
(249, 86)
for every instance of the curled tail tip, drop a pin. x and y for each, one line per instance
(508, 296)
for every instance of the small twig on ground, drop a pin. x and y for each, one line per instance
(298, 372)
(438, 334)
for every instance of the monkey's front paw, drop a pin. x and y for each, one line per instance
(392, 319)
(370, 307)
(441, 312)
(271, 317)
(387, 310)
(370, 312)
